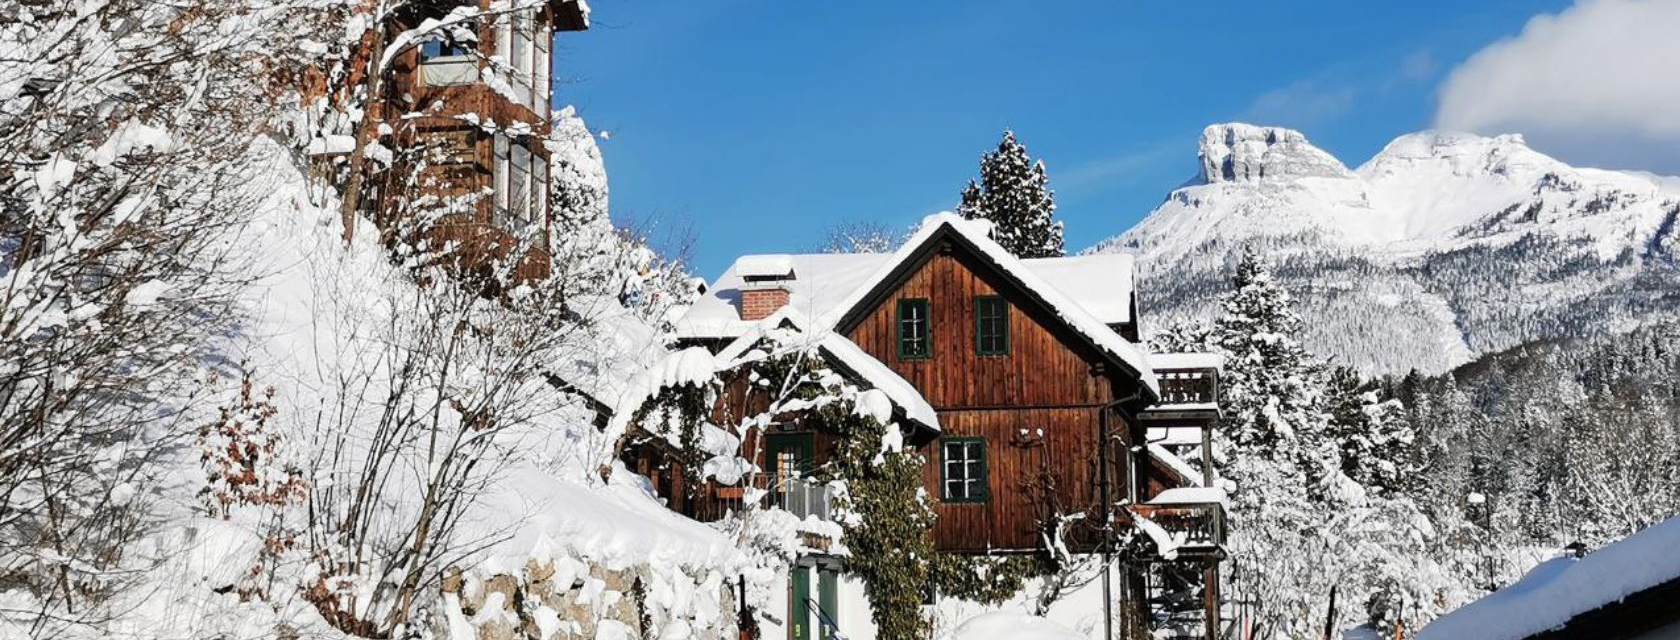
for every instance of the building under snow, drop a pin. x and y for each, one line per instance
(1008, 375)
(1629, 590)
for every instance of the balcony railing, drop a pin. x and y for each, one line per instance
(1191, 387)
(1195, 522)
(798, 496)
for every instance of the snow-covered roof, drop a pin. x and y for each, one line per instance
(1189, 495)
(1560, 589)
(1174, 435)
(848, 356)
(1087, 292)
(1102, 284)
(1166, 361)
(620, 346)
(1191, 474)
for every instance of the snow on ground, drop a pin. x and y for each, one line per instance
(1561, 588)
(321, 318)
(1011, 625)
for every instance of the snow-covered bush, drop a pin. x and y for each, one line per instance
(123, 131)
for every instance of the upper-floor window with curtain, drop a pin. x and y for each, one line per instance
(521, 187)
(527, 41)
(448, 58)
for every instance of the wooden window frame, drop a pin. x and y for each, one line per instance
(980, 303)
(927, 328)
(982, 482)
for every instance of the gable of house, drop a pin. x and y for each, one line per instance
(1023, 376)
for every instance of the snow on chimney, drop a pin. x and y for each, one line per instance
(766, 284)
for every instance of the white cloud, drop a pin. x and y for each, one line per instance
(1598, 82)
(1302, 103)
(1124, 169)
(1418, 66)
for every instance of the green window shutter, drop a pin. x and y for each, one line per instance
(914, 327)
(991, 326)
(963, 475)
(828, 600)
(799, 604)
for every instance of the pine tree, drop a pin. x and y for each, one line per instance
(1272, 390)
(1376, 443)
(1013, 193)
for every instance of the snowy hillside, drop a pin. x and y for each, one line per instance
(1441, 247)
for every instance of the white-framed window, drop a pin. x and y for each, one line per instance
(526, 43)
(521, 183)
(963, 473)
(539, 190)
(500, 173)
(520, 196)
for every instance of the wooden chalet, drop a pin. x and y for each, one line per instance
(1011, 375)
(451, 151)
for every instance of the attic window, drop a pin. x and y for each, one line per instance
(913, 343)
(991, 326)
(436, 50)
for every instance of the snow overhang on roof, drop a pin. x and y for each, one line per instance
(1557, 591)
(1189, 496)
(1191, 474)
(847, 357)
(1175, 361)
(1088, 293)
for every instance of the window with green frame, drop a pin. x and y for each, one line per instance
(913, 325)
(991, 326)
(962, 470)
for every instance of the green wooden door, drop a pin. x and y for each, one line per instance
(799, 604)
(828, 599)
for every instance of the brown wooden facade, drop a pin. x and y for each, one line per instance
(1039, 407)
(444, 149)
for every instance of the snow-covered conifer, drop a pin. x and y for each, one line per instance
(1014, 194)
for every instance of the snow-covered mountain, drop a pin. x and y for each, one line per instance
(1441, 247)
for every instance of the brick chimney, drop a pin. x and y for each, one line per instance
(766, 285)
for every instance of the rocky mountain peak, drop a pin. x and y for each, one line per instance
(1447, 153)
(1237, 152)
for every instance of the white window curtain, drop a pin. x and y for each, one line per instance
(541, 64)
(521, 179)
(501, 172)
(539, 190)
(521, 54)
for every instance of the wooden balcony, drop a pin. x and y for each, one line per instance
(1189, 384)
(801, 498)
(798, 496)
(1190, 525)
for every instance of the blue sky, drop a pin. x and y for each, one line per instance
(751, 125)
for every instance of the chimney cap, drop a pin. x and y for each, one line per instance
(765, 268)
